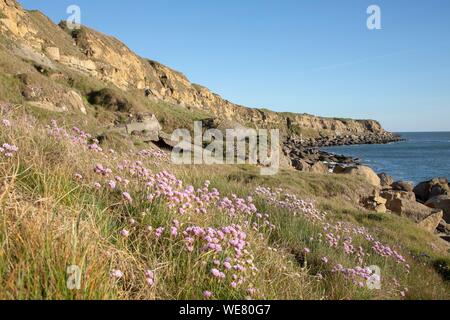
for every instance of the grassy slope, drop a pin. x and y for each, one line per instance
(50, 220)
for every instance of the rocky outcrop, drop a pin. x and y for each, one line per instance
(431, 222)
(441, 202)
(406, 200)
(402, 186)
(363, 171)
(304, 158)
(391, 195)
(369, 136)
(411, 209)
(385, 180)
(319, 167)
(145, 126)
(375, 203)
(432, 188)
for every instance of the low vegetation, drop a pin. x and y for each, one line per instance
(141, 228)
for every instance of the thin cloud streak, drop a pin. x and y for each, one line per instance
(360, 61)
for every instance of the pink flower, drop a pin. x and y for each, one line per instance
(150, 281)
(149, 277)
(97, 185)
(149, 274)
(324, 260)
(251, 291)
(159, 232)
(127, 197)
(174, 231)
(112, 184)
(78, 176)
(125, 233)
(207, 294)
(216, 273)
(6, 123)
(306, 251)
(116, 274)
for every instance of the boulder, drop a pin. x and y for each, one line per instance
(424, 189)
(375, 203)
(339, 169)
(365, 172)
(439, 190)
(391, 195)
(146, 126)
(403, 186)
(431, 222)
(319, 167)
(442, 203)
(410, 209)
(300, 165)
(385, 180)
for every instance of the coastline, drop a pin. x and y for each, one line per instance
(305, 154)
(425, 202)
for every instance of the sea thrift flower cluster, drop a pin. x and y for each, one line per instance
(6, 123)
(78, 136)
(290, 202)
(225, 252)
(153, 153)
(229, 254)
(116, 274)
(127, 197)
(8, 150)
(149, 277)
(125, 233)
(100, 169)
(184, 200)
(357, 275)
(337, 235)
(386, 251)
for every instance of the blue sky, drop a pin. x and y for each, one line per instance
(301, 56)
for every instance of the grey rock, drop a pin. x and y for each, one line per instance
(386, 180)
(403, 186)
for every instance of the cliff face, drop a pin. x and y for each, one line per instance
(108, 60)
